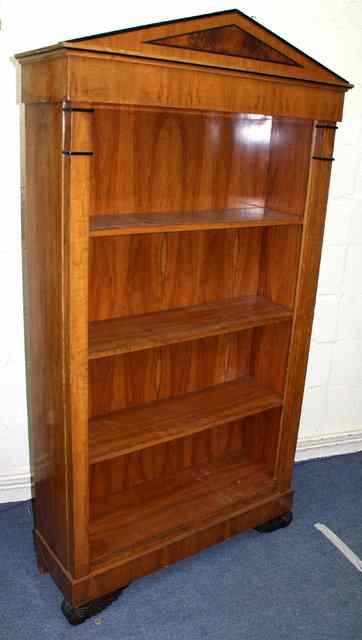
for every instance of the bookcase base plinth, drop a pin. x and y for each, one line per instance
(116, 573)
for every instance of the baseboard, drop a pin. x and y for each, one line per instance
(16, 486)
(325, 446)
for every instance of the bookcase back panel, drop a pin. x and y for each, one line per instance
(131, 275)
(168, 160)
(253, 439)
(139, 378)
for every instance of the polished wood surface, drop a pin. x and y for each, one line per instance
(78, 132)
(111, 337)
(189, 161)
(76, 173)
(209, 492)
(315, 212)
(134, 379)
(248, 216)
(270, 349)
(278, 277)
(44, 81)
(132, 81)
(141, 274)
(44, 286)
(174, 219)
(114, 573)
(137, 378)
(226, 40)
(132, 275)
(290, 151)
(143, 427)
(257, 435)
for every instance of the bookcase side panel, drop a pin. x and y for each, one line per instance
(77, 161)
(314, 220)
(44, 320)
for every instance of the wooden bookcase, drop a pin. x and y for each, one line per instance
(176, 186)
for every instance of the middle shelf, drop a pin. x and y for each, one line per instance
(148, 425)
(135, 333)
(247, 215)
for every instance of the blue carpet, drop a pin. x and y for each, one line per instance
(291, 584)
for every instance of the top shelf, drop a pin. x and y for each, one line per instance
(247, 216)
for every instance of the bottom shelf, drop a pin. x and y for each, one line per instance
(161, 512)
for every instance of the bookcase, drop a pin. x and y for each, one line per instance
(176, 186)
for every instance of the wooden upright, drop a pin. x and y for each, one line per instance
(176, 187)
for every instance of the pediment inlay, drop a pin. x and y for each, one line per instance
(229, 40)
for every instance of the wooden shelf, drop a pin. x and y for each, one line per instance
(161, 512)
(135, 333)
(247, 216)
(148, 425)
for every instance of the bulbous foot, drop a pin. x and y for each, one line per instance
(78, 615)
(278, 523)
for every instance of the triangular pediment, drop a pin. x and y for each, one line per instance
(223, 40)
(229, 40)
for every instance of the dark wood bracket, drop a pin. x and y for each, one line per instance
(323, 158)
(326, 126)
(78, 153)
(81, 109)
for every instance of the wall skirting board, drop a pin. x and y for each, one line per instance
(17, 486)
(331, 445)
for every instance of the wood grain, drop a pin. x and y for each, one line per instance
(270, 349)
(76, 175)
(256, 436)
(280, 264)
(133, 275)
(138, 378)
(143, 427)
(228, 40)
(188, 247)
(78, 130)
(115, 573)
(189, 161)
(120, 335)
(315, 211)
(290, 148)
(230, 29)
(158, 511)
(44, 323)
(125, 224)
(134, 81)
(112, 476)
(44, 80)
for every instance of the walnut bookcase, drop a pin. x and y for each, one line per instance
(176, 186)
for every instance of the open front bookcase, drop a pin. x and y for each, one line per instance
(176, 185)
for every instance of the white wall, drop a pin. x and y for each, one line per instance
(330, 31)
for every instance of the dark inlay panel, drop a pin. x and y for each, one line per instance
(228, 40)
